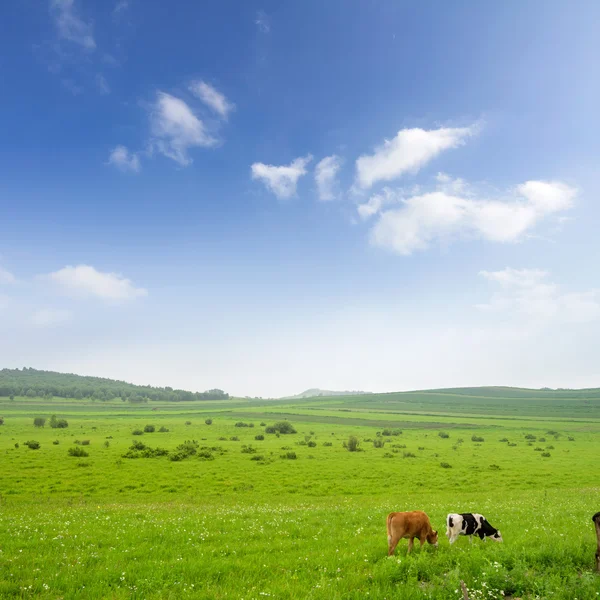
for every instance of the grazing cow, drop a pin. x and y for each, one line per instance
(596, 519)
(470, 524)
(411, 525)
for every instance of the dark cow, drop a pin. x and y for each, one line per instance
(470, 524)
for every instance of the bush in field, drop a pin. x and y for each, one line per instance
(263, 424)
(327, 443)
(17, 445)
(56, 442)
(149, 429)
(390, 432)
(185, 450)
(205, 455)
(77, 451)
(409, 455)
(32, 445)
(545, 454)
(137, 432)
(258, 457)
(163, 429)
(550, 447)
(289, 455)
(504, 439)
(188, 422)
(477, 438)
(208, 421)
(388, 455)
(311, 444)
(542, 440)
(571, 439)
(538, 449)
(140, 450)
(512, 444)
(39, 422)
(445, 465)
(56, 423)
(531, 437)
(241, 424)
(248, 450)
(234, 438)
(106, 444)
(378, 443)
(443, 435)
(352, 444)
(259, 437)
(281, 427)
(494, 467)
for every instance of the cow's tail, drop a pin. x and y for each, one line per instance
(389, 527)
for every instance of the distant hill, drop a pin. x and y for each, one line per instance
(47, 384)
(316, 392)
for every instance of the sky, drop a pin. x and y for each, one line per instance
(376, 195)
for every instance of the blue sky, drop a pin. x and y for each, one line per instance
(268, 197)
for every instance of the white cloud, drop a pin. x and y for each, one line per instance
(281, 180)
(124, 160)
(263, 22)
(86, 280)
(6, 276)
(529, 293)
(102, 84)
(120, 6)
(70, 26)
(212, 98)
(49, 317)
(325, 175)
(410, 150)
(442, 216)
(376, 203)
(176, 129)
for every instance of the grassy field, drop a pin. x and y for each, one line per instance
(241, 518)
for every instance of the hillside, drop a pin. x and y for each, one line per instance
(45, 384)
(317, 392)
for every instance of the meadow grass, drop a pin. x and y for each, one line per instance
(222, 524)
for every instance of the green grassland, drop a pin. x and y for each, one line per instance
(239, 519)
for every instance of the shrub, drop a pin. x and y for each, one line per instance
(85, 442)
(550, 447)
(545, 454)
(106, 444)
(538, 449)
(552, 432)
(17, 445)
(188, 422)
(378, 443)
(77, 451)
(531, 437)
(352, 444)
(542, 440)
(222, 439)
(185, 450)
(56, 442)
(388, 455)
(205, 455)
(281, 427)
(477, 438)
(234, 438)
(241, 424)
(208, 421)
(39, 422)
(58, 423)
(571, 439)
(32, 445)
(443, 435)
(248, 450)
(137, 432)
(163, 429)
(289, 455)
(445, 465)
(263, 424)
(327, 443)
(504, 439)
(149, 429)
(311, 444)
(421, 448)
(258, 457)
(494, 467)
(409, 455)
(259, 437)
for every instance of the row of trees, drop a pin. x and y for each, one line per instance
(48, 384)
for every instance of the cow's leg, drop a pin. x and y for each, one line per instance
(471, 539)
(422, 540)
(392, 543)
(411, 541)
(453, 537)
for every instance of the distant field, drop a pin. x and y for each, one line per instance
(222, 524)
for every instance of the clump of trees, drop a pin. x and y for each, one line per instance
(32, 445)
(149, 429)
(477, 438)
(77, 451)
(57, 423)
(353, 444)
(281, 427)
(39, 422)
(32, 383)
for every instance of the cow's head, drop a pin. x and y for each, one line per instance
(432, 538)
(497, 537)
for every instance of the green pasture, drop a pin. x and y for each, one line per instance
(242, 518)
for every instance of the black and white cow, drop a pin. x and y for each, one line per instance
(470, 524)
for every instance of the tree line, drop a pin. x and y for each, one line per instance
(33, 383)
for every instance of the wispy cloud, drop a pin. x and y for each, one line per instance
(85, 280)
(212, 98)
(442, 216)
(70, 25)
(326, 177)
(176, 129)
(281, 180)
(124, 160)
(408, 152)
(529, 292)
(102, 84)
(120, 7)
(263, 21)
(6, 277)
(70, 85)
(50, 317)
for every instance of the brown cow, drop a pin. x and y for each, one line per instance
(411, 525)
